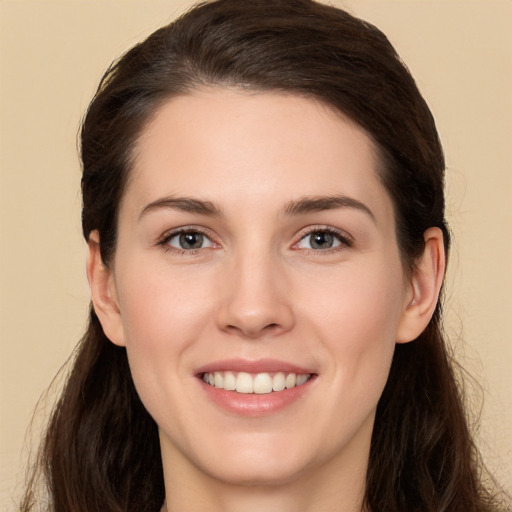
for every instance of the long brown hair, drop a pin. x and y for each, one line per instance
(101, 450)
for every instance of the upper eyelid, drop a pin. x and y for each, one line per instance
(341, 233)
(163, 241)
(335, 231)
(170, 233)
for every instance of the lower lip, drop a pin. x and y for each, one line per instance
(253, 404)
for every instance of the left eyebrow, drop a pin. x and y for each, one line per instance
(320, 203)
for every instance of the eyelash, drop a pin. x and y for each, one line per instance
(164, 241)
(345, 240)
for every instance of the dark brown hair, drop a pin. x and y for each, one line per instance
(101, 450)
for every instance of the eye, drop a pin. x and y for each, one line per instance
(188, 240)
(322, 240)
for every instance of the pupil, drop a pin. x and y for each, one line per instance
(191, 240)
(321, 240)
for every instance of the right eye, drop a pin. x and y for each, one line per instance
(188, 240)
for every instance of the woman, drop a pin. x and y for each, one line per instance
(263, 204)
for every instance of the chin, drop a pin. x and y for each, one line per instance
(251, 473)
(253, 459)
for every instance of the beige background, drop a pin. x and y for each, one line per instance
(52, 54)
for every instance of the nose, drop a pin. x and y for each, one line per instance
(255, 302)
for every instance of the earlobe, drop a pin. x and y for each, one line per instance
(103, 292)
(425, 286)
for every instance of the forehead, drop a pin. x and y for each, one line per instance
(237, 146)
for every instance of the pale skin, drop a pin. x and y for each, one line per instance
(257, 180)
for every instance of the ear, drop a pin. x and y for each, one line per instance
(424, 288)
(103, 292)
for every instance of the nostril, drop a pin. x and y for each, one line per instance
(252, 319)
(253, 331)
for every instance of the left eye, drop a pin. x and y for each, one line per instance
(189, 240)
(320, 240)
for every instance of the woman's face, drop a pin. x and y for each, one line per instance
(257, 251)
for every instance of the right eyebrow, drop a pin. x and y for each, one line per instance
(185, 204)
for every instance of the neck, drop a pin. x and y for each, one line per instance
(268, 499)
(338, 485)
(274, 498)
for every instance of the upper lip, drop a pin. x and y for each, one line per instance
(253, 366)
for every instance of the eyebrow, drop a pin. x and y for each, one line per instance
(300, 206)
(320, 203)
(185, 204)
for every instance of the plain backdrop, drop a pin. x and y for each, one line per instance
(52, 54)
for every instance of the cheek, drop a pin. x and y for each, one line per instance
(161, 321)
(163, 315)
(160, 308)
(357, 318)
(360, 306)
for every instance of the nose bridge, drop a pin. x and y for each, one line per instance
(256, 300)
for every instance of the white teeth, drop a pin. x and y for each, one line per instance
(218, 379)
(229, 381)
(301, 379)
(244, 383)
(261, 383)
(279, 382)
(291, 380)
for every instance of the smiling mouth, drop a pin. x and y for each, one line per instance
(259, 383)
